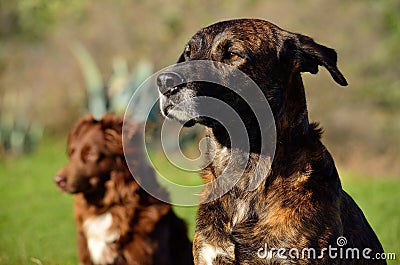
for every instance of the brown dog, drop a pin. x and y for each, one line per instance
(117, 221)
(299, 214)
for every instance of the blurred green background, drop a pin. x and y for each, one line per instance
(43, 91)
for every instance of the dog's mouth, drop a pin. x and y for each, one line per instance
(171, 112)
(65, 186)
(66, 189)
(179, 105)
(190, 102)
(194, 104)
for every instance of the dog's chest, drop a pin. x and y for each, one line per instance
(100, 237)
(210, 250)
(240, 210)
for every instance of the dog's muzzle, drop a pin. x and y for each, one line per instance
(168, 82)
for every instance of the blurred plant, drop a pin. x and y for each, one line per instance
(18, 135)
(32, 19)
(384, 88)
(113, 95)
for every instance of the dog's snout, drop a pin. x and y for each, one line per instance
(60, 180)
(167, 81)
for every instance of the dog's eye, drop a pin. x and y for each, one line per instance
(231, 56)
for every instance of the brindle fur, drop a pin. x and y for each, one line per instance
(301, 203)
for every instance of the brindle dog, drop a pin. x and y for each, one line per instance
(300, 206)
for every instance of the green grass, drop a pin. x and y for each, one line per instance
(36, 223)
(35, 219)
(379, 199)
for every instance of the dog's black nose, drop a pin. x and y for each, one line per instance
(167, 81)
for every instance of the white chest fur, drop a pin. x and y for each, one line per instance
(99, 238)
(208, 254)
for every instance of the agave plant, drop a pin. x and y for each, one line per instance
(114, 94)
(18, 135)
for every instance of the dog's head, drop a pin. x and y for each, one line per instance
(94, 151)
(272, 57)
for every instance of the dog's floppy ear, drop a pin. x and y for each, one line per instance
(309, 55)
(111, 126)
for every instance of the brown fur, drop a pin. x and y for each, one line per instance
(300, 204)
(144, 230)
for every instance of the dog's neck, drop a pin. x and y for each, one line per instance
(96, 197)
(99, 195)
(296, 136)
(293, 133)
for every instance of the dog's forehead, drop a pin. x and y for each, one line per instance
(90, 135)
(254, 31)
